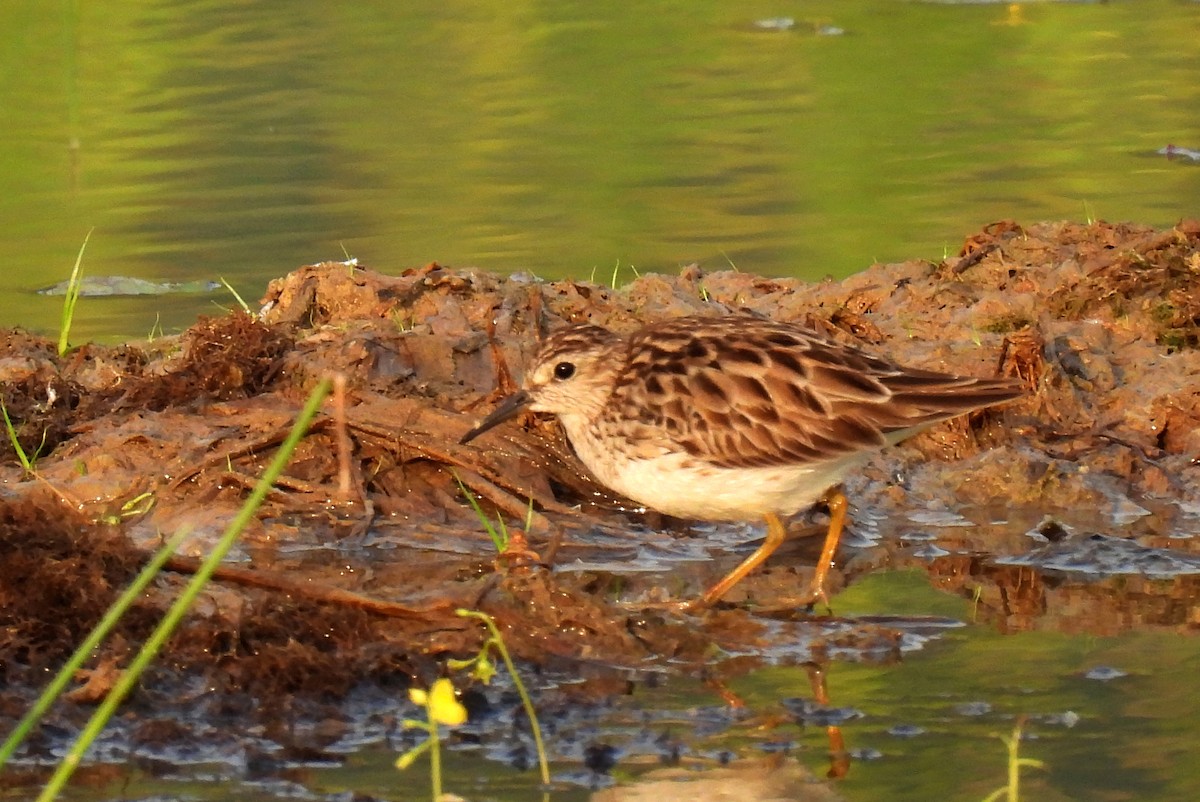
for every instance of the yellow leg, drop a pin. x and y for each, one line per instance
(776, 533)
(835, 499)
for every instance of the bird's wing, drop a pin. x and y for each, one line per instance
(741, 392)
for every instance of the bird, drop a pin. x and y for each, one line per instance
(734, 418)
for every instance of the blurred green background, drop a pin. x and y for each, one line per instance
(214, 138)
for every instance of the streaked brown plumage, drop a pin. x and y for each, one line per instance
(733, 418)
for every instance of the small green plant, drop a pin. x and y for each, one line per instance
(441, 707)
(498, 533)
(70, 298)
(483, 669)
(156, 330)
(1011, 792)
(612, 283)
(138, 505)
(245, 307)
(617, 268)
(28, 462)
(404, 322)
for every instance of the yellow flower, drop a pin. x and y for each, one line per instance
(442, 702)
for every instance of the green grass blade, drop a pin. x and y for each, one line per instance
(26, 463)
(238, 298)
(94, 638)
(181, 606)
(70, 298)
(500, 539)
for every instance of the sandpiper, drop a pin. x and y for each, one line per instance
(734, 418)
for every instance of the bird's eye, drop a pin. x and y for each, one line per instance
(564, 370)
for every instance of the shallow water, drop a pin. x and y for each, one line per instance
(1110, 718)
(1097, 667)
(214, 139)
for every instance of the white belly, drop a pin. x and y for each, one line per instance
(675, 485)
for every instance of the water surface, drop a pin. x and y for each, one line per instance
(213, 139)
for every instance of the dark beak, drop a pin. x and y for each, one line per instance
(508, 408)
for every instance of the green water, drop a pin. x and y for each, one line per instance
(1133, 738)
(214, 139)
